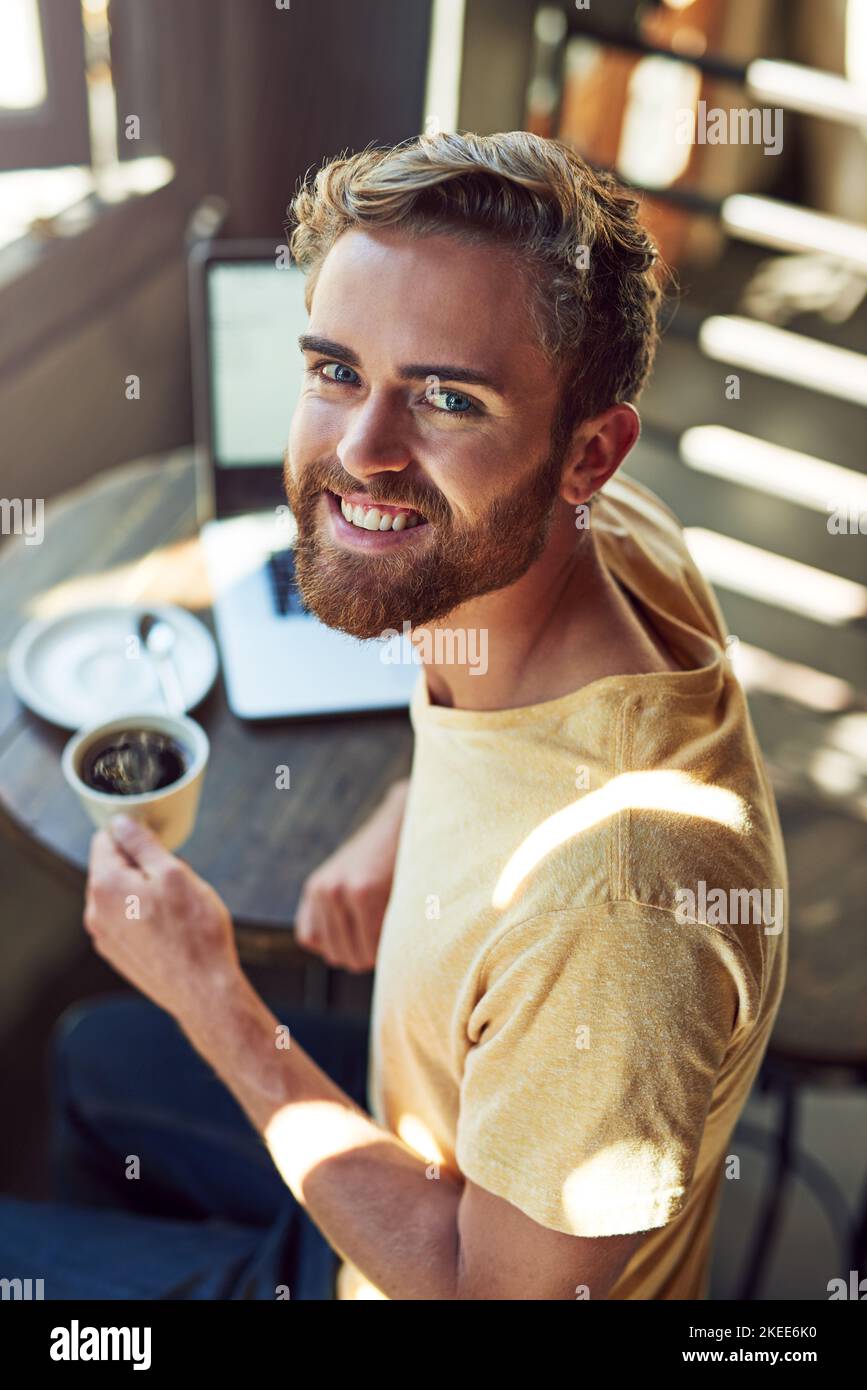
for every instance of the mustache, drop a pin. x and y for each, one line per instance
(328, 474)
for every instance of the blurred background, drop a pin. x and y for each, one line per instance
(131, 129)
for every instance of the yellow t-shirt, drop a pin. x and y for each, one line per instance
(586, 941)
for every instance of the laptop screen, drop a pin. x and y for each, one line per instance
(255, 315)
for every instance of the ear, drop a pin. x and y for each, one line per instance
(596, 450)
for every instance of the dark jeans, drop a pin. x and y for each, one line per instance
(209, 1216)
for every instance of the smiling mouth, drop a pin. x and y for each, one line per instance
(378, 516)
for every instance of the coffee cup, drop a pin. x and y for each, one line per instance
(166, 752)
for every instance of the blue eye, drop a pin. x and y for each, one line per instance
(455, 402)
(338, 368)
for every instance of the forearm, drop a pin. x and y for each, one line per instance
(397, 793)
(369, 1193)
(391, 809)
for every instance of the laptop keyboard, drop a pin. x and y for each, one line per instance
(284, 591)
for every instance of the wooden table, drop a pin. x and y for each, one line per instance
(129, 536)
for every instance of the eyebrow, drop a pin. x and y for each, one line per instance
(413, 371)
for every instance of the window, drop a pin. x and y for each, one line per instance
(43, 93)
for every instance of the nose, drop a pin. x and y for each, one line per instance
(372, 441)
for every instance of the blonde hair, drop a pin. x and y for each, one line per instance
(594, 271)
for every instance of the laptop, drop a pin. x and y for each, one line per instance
(279, 661)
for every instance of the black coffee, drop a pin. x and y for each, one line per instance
(133, 761)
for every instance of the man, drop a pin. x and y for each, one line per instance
(570, 1001)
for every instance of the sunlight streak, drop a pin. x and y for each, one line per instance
(676, 793)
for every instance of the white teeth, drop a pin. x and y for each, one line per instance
(371, 519)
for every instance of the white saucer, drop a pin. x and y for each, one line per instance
(81, 668)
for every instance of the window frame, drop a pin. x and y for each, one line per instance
(57, 132)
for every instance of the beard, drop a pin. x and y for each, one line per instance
(365, 594)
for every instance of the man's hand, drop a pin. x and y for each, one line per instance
(159, 924)
(343, 902)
